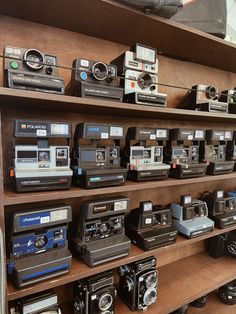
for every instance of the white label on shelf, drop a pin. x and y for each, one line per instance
(104, 135)
(148, 221)
(59, 128)
(84, 63)
(161, 133)
(190, 137)
(152, 136)
(116, 131)
(60, 214)
(122, 205)
(199, 134)
(41, 132)
(44, 220)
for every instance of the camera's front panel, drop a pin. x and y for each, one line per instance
(147, 283)
(142, 157)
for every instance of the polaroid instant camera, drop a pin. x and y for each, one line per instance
(143, 155)
(42, 166)
(231, 150)
(229, 97)
(38, 246)
(30, 69)
(213, 152)
(190, 217)
(95, 164)
(182, 153)
(150, 226)
(139, 68)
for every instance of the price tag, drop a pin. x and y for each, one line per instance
(41, 133)
(161, 133)
(152, 136)
(104, 135)
(44, 220)
(190, 137)
(122, 205)
(116, 131)
(199, 134)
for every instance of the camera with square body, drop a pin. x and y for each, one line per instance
(42, 166)
(95, 164)
(143, 155)
(95, 79)
(231, 150)
(41, 303)
(213, 152)
(30, 69)
(222, 208)
(182, 153)
(138, 283)
(38, 246)
(229, 97)
(222, 244)
(100, 230)
(189, 217)
(150, 226)
(95, 294)
(139, 68)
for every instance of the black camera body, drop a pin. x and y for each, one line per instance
(95, 294)
(213, 152)
(150, 226)
(143, 155)
(95, 79)
(96, 165)
(30, 69)
(221, 245)
(139, 68)
(227, 293)
(222, 209)
(101, 233)
(138, 283)
(229, 97)
(182, 153)
(231, 149)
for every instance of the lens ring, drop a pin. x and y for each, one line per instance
(40, 242)
(212, 93)
(105, 301)
(100, 71)
(151, 281)
(33, 58)
(145, 80)
(149, 297)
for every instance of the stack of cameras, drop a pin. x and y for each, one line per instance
(38, 248)
(143, 156)
(39, 166)
(96, 165)
(150, 226)
(190, 217)
(100, 232)
(182, 153)
(30, 69)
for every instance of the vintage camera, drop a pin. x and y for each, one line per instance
(213, 152)
(30, 69)
(182, 153)
(138, 283)
(144, 154)
(38, 247)
(227, 293)
(231, 150)
(100, 232)
(222, 209)
(41, 303)
(150, 226)
(139, 68)
(229, 97)
(95, 79)
(96, 165)
(190, 217)
(205, 98)
(95, 294)
(223, 244)
(42, 167)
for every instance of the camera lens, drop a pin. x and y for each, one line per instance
(145, 80)
(33, 58)
(151, 281)
(211, 93)
(104, 229)
(105, 301)
(100, 71)
(149, 297)
(40, 242)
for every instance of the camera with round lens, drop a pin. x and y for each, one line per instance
(95, 294)
(31, 69)
(138, 283)
(95, 79)
(229, 97)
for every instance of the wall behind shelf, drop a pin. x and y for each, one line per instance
(69, 45)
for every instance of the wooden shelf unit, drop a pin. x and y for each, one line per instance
(186, 271)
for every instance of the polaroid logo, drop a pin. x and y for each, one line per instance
(145, 132)
(31, 219)
(100, 207)
(31, 126)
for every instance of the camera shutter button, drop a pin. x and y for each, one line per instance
(83, 76)
(14, 65)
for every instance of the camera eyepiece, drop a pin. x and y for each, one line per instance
(33, 59)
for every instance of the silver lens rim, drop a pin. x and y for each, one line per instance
(96, 64)
(105, 295)
(34, 66)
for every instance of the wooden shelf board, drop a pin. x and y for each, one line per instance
(43, 101)
(80, 270)
(11, 197)
(117, 22)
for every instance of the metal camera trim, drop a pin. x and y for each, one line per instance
(94, 72)
(147, 294)
(145, 83)
(33, 67)
(108, 305)
(149, 284)
(212, 90)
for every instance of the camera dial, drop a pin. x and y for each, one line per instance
(100, 71)
(149, 297)
(105, 302)
(129, 283)
(78, 306)
(145, 80)
(33, 59)
(41, 242)
(211, 93)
